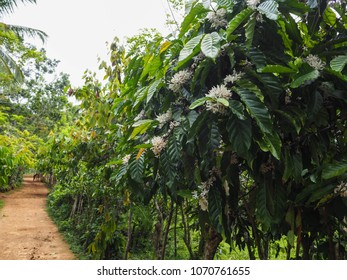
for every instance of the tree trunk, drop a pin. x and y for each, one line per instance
(212, 239)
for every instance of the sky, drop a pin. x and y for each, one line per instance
(79, 29)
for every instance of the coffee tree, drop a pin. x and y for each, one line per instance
(234, 129)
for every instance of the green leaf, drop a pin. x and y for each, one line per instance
(192, 16)
(153, 88)
(210, 45)
(335, 169)
(238, 19)
(269, 9)
(190, 49)
(199, 102)
(237, 108)
(240, 135)
(307, 74)
(174, 149)
(141, 127)
(273, 144)
(338, 63)
(215, 206)
(263, 213)
(329, 16)
(136, 169)
(198, 123)
(291, 120)
(249, 31)
(223, 101)
(277, 69)
(251, 87)
(256, 109)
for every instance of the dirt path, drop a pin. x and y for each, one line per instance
(26, 231)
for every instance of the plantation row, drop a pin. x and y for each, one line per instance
(224, 140)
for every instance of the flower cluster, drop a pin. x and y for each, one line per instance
(315, 62)
(159, 144)
(341, 189)
(202, 194)
(179, 79)
(204, 188)
(235, 76)
(215, 93)
(252, 3)
(288, 97)
(126, 159)
(218, 18)
(164, 118)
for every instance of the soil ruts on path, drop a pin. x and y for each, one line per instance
(26, 231)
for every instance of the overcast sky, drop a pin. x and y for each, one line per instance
(79, 29)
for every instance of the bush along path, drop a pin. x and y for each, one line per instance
(26, 231)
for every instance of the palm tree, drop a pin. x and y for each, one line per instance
(7, 63)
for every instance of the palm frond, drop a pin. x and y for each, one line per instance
(7, 6)
(10, 67)
(22, 31)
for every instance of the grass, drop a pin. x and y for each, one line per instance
(1, 204)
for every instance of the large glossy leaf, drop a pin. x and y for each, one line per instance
(190, 49)
(141, 127)
(256, 109)
(269, 9)
(136, 169)
(237, 108)
(240, 135)
(329, 16)
(263, 213)
(199, 102)
(238, 19)
(215, 206)
(334, 169)
(249, 31)
(192, 16)
(210, 45)
(307, 74)
(277, 69)
(338, 63)
(273, 144)
(174, 149)
(153, 88)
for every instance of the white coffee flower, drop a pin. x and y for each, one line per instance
(234, 77)
(195, 195)
(315, 62)
(252, 3)
(179, 79)
(341, 189)
(164, 118)
(203, 203)
(218, 18)
(126, 159)
(159, 144)
(218, 92)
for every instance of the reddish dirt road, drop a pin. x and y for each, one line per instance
(26, 231)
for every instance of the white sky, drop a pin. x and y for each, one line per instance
(79, 29)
